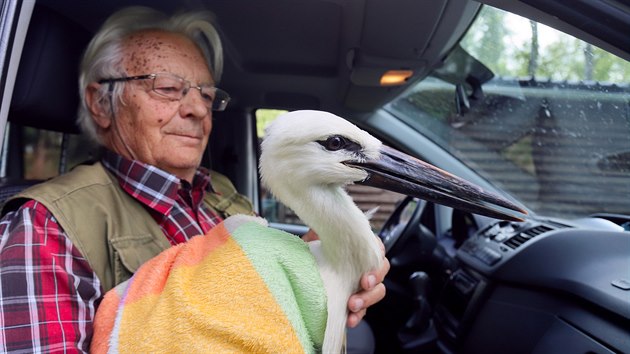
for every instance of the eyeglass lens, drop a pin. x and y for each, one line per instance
(176, 88)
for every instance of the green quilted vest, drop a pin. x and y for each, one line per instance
(112, 230)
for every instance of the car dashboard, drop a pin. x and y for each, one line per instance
(531, 286)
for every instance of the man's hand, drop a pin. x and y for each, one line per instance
(373, 292)
(310, 236)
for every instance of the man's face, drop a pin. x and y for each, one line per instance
(169, 134)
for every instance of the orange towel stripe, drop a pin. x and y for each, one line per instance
(154, 274)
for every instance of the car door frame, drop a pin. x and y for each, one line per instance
(14, 20)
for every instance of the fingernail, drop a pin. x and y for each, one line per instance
(353, 320)
(357, 305)
(371, 281)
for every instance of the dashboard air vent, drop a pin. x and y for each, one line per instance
(526, 235)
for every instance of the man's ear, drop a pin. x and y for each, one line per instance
(98, 105)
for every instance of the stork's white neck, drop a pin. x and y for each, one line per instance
(345, 233)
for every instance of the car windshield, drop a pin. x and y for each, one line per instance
(538, 113)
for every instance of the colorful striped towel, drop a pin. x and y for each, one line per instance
(241, 288)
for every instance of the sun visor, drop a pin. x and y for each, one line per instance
(400, 38)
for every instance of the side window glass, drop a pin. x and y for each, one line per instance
(43, 152)
(367, 198)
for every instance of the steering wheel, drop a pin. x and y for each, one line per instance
(402, 224)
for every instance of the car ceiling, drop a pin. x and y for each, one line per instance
(317, 54)
(330, 54)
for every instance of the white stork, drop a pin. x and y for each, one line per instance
(192, 296)
(307, 159)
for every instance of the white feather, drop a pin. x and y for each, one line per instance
(310, 179)
(370, 213)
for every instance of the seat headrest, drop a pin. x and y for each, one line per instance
(46, 89)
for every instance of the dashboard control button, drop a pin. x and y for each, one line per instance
(622, 284)
(487, 255)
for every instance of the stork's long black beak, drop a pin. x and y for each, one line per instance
(405, 174)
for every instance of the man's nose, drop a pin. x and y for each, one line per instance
(193, 105)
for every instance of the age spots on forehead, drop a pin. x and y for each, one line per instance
(141, 48)
(136, 62)
(154, 51)
(149, 47)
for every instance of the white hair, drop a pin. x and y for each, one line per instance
(103, 56)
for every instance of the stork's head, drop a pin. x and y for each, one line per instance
(313, 149)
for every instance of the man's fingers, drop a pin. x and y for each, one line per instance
(355, 318)
(364, 299)
(370, 280)
(373, 296)
(359, 303)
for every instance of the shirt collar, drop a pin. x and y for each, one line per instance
(150, 185)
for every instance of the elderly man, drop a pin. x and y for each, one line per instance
(148, 91)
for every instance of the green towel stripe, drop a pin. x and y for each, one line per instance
(285, 262)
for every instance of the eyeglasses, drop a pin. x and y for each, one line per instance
(175, 88)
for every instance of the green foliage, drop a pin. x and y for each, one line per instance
(562, 60)
(264, 117)
(485, 39)
(503, 42)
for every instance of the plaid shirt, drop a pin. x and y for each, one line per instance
(48, 291)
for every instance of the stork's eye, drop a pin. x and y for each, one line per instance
(338, 142)
(335, 143)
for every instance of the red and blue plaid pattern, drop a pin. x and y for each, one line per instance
(48, 291)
